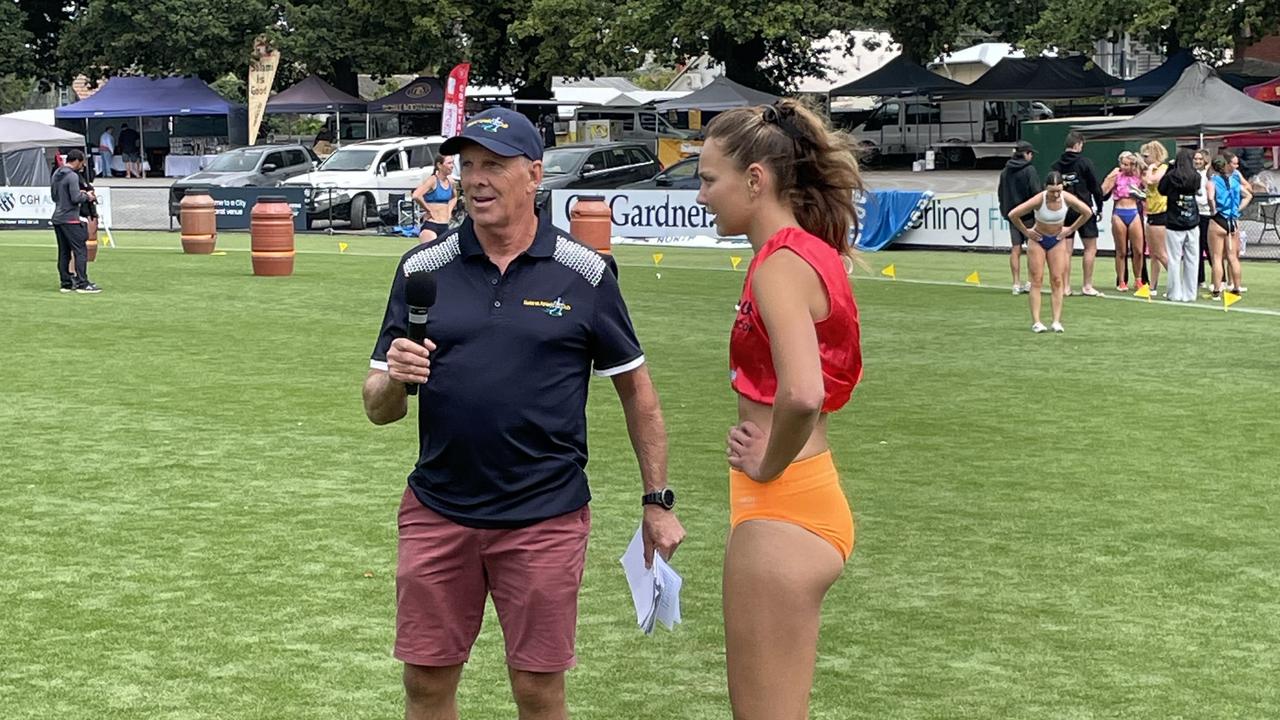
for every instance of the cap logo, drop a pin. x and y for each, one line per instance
(490, 124)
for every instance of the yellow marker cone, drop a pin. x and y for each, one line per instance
(1143, 291)
(1229, 299)
(657, 258)
(735, 260)
(890, 272)
(973, 278)
(342, 247)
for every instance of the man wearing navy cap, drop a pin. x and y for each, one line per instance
(497, 502)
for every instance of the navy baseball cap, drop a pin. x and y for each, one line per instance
(501, 131)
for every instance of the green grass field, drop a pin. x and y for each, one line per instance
(197, 521)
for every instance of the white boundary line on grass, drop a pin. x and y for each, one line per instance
(940, 283)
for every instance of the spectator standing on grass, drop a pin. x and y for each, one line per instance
(1182, 226)
(1018, 181)
(1081, 180)
(68, 227)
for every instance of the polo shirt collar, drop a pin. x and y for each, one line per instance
(544, 241)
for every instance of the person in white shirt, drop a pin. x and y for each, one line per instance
(106, 149)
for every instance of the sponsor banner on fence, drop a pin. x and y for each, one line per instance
(643, 213)
(33, 206)
(673, 217)
(974, 220)
(234, 205)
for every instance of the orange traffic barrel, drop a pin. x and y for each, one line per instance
(591, 222)
(199, 222)
(271, 236)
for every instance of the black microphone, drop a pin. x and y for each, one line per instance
(420, 295)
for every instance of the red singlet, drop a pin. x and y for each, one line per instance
(839, 340)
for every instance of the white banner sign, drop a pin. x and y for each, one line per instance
(974, 220)
(33, 206)
(643, 213)
(673, 217)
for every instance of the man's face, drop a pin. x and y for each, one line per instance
(499, 190)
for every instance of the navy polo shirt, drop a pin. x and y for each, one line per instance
(502, 422)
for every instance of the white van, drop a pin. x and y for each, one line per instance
(959, 128)
(638, 124)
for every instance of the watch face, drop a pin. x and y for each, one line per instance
(668, 497)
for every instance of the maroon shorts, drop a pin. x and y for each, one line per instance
(445, 571)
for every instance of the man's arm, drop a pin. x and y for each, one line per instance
(385, 400)
(662, 530)
(72, 184)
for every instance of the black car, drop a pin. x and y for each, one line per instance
(681, 176)
(603, 166)
(254, 166)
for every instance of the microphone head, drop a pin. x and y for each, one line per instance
(420, 289)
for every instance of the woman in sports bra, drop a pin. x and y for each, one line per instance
(437, 199)
(780, 176)
(1156, 158)
(1224, 229)
(1043, 243)
(1124, 184)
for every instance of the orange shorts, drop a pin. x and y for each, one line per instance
(807, 494)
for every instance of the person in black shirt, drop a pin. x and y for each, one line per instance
(1018, 181)
(1182, 226)
(131, 150)
(497, 502)
(1081, 180)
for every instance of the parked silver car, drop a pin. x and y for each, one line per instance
(255, 166)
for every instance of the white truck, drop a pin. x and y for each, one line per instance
(356, 182)
(960, 131)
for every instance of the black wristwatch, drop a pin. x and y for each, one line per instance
(666, 498)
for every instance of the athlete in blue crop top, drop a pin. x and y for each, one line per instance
(437, 198)
(1050, 207)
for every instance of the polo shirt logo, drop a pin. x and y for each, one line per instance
(554, 308)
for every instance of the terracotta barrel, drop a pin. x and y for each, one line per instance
(199, 222)
(271, 236)
(92, 243)
(591, 222)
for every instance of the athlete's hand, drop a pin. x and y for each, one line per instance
(747, 445)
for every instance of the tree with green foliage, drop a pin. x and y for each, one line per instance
(765, 44)
(338, 39)
(1213, 26)
(15, 59)
(524, 43)
(110, 37)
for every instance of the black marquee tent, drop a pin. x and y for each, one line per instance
(898, 77)
(423, 95)
(314, 95)
(1200, 104)
(1157, 81)
(719, 94)
(1040, 78)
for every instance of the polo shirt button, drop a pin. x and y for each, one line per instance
(494, 281)
(497, 303)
